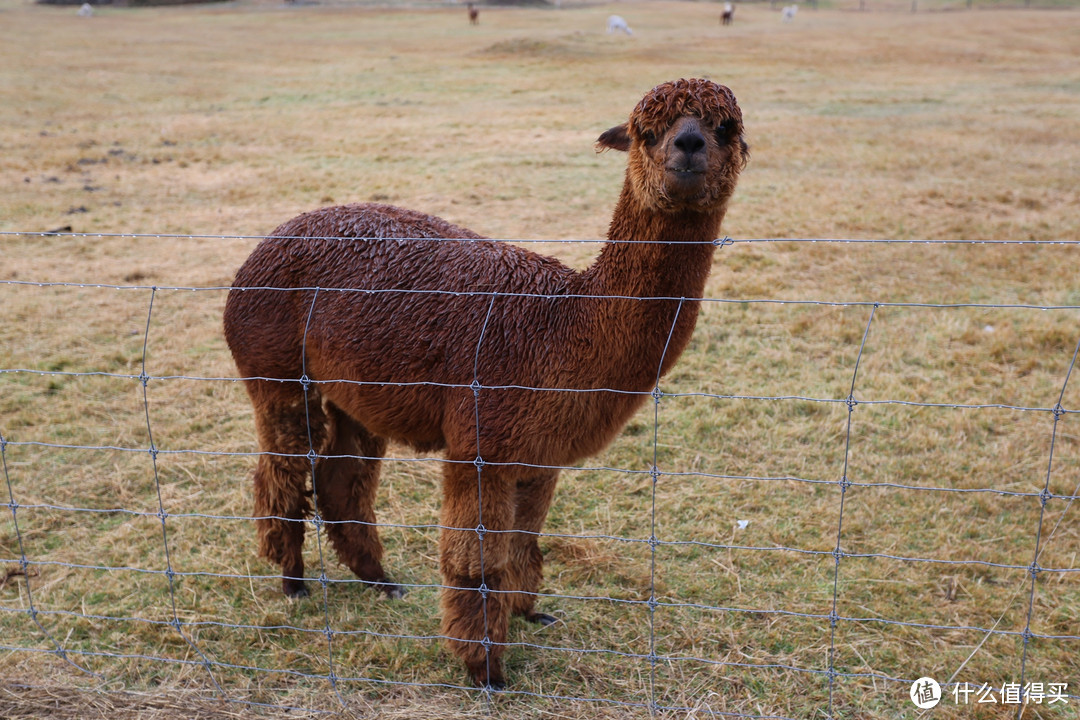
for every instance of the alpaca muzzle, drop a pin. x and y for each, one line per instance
(687, 162)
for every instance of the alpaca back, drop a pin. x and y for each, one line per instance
(400, 318)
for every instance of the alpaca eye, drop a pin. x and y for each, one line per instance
(649, 137)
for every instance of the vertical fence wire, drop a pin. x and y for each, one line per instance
(1044, 498)
(484, 591)
(170, 574)
(654, 474)
(845, 483)
(316, 513)
(25, 571)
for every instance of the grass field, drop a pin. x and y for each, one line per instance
(221, 122)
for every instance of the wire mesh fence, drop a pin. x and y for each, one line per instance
(842, 503)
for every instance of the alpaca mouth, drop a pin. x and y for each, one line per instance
(685, 182)
(685, 170)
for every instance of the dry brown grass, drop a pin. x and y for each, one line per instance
(227, 120)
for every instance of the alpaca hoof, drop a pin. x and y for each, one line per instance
(485, 678)
(542, 619)
(295, 589)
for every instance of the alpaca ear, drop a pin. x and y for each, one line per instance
(617, 138)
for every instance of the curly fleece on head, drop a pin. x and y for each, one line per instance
(701, 98)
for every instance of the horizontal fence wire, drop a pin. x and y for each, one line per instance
(720, 242)
(188, 630)
(538, 296)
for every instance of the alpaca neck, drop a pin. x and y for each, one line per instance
(648, 255)
(651, 254)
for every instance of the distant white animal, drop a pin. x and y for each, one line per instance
(789, 13)
(86, 10)
(617, 24)
(728, 15)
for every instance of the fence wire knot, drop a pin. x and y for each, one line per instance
(1044, 496)
(844, 483)
(723, 242)
(481, 531)
(1034, 569)
(478, 462)
(1058, 411)
(323, 580)
(475, 386)
(851, 403)
(657, 393)
(833, 620)
(486, 643)
(144, 379)
(329, 633)
(305, 382)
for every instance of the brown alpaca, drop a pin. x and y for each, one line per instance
(474, 14)
(458, 345)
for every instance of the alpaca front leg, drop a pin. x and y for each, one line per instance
(474, 549)
(475, 618)
(345, 484)
(526, 566)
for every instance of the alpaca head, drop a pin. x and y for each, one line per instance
(685, 145)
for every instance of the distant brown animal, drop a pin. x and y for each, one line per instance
(459, 345)
(474, 14)
(728, 15)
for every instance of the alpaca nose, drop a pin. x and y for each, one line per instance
(690, 141)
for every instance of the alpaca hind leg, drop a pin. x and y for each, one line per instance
(345, 484)
(526, 566)
(281, 474)
(281, 504)
(473, 562)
